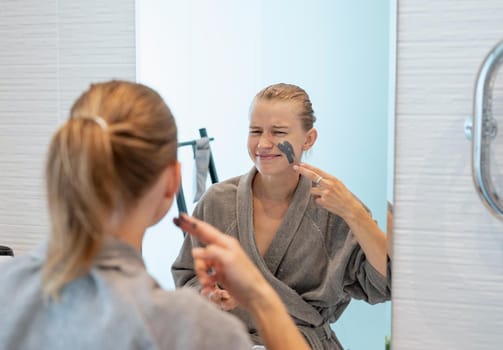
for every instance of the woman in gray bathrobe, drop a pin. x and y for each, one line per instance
(311, 238)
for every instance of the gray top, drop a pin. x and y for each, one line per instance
(314, 262)
(117, 305)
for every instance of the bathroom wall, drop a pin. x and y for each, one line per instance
(448, 250)
(50, 52)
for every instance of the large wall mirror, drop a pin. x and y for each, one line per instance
(209, 58)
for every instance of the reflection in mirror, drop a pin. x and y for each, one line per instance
(209, 59)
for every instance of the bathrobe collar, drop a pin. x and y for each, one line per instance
(287, 230)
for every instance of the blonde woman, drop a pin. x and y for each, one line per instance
(112, 171)
(311, 238)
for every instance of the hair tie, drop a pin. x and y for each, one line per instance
(98, 120)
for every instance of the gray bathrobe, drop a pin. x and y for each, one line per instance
(314, 262)
(116, 305)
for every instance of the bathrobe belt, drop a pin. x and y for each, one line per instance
(314, 335)
(319, 337)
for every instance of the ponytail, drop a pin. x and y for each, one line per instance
(80, 182)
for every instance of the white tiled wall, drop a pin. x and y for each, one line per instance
(448, 250)
(50, 51)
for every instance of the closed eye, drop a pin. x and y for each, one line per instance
(255, 132)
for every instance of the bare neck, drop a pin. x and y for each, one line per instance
(131, 230)
(279, 188)
(130, 225)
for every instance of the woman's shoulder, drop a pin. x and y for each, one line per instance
(219, 205)
(221, 192)
(227, 186)
(19, 271)
(25, 265)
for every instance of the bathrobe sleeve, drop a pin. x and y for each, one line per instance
(347, 265)
(363, 281)
(360, 279)
(183, 267)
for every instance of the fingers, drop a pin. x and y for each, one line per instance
(317, 191)
(211, 264)
(212, 293)
(311, 175)
(202, 269)
(317, 176)
(210, 259)
(212, 253)
(220, 297)
(228, 304)
(201, 230)
(311, 171)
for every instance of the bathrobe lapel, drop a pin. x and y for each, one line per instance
(268, 265)
(289, 226)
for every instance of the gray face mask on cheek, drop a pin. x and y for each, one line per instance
(287, 149)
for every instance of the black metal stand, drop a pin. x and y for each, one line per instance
(180, 197)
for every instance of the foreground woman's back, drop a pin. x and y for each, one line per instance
(117, 305)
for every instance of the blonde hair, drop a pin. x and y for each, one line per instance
(290, 92)
(118, 139)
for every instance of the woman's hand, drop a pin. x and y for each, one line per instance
(221, 298)
(330, 193)
(222, 261)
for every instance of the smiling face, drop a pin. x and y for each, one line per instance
(275, 122)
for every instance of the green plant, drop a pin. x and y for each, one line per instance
(387, 343)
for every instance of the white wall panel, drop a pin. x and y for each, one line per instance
(448, 250)
(50, 52)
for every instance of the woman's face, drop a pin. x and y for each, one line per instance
(273, 123)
